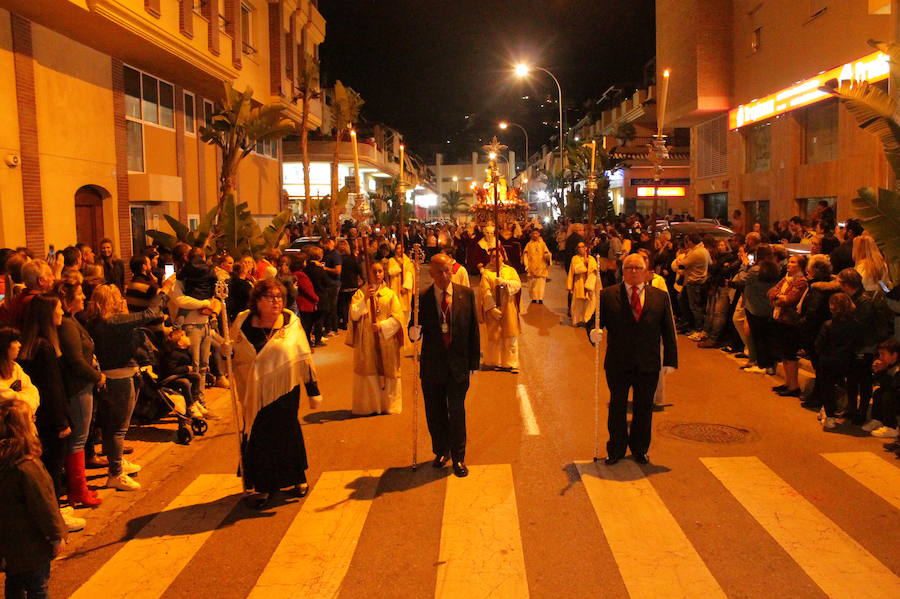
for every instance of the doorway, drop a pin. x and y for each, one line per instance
(138, 230)
(715, 205)
(89, 215)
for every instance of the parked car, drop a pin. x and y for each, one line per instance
(301, 242)
(703, 227)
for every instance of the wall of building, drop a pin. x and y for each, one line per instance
(12, 213)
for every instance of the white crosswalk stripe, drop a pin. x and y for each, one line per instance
(837, 563)
(164, 546)
(654, 556)
(481, 549)
(481, 552)
(313, 557)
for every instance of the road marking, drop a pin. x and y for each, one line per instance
(531, 426)
(837, 563)
(654, 556)
(481, 551)
(313, 556)
(871, 471)
(147, 564)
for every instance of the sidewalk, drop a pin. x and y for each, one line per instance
(160, 456)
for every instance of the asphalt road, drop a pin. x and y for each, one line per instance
(785, 511)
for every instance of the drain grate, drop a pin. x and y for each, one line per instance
(705, 432)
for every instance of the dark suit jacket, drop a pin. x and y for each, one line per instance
(464, 353)
(634, 345)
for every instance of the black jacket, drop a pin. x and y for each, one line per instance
(464, 354)
(320, 279)
(77, 349)
(633, 346)
(837, 344)
(44, 368)
(114, 341)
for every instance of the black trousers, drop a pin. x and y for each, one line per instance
(638, 438)
(445, 411)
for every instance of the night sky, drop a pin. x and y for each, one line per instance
(423, 65)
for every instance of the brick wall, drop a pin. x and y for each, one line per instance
(28, 134)
(123, 207)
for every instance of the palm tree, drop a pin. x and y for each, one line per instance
(237, 128)
(453, 202)
(309, 90)
(345, 112)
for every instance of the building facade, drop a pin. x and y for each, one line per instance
(745, 77)
(101, 103)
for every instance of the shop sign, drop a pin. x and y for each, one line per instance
(872, 68)
(674, 181)
(661, 192)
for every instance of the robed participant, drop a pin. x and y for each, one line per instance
(376, 341)
(582, 283)
(400, 278)
(537, 265)
(500, 314)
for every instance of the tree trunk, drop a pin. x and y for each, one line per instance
(332, 219)
(304, 148)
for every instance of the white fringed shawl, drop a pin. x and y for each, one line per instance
(283, 363)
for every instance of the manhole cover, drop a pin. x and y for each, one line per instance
(707, 433)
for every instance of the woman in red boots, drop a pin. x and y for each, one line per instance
(81, 377)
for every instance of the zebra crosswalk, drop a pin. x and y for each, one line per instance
(481, 551)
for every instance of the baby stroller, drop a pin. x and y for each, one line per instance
(154, 398)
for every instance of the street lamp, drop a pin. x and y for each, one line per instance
(522, 70)
(506, 125)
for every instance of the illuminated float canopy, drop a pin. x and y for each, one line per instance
(872, 68)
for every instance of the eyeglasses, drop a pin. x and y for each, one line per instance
(634, 268)
(273, 298)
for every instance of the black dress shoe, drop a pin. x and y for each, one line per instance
(778, 388)
(641, 458)
(440, 461)
(611, 460)
(789, 392)
(741, 356)
(259, 502)
(299, 491)
(460, 469)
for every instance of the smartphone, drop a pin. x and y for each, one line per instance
(751, 259)
(168, 271)
(842, 224)
(51, 253)
(884, 287)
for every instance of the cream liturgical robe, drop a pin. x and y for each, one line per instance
(376, 375)
(500, 341)
(400, 277)
(583, 283)
(537, 259)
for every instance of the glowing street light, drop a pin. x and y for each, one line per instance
(522, 71)
(506, 125)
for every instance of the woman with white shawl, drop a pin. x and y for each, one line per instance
(272, 359)
(583, 284)
(376, 340)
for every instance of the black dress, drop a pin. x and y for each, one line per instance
(274, 457)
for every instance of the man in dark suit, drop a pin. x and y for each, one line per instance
(636, 316)
(451, 350)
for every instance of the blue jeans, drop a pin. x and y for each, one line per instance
(30, 585)
(80, 409)
(118, 401)
(200, 348)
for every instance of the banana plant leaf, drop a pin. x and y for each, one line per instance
(879, 212)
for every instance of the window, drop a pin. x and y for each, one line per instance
(758, 147)
(149, 107)
(247, 40)
(712, 147)
(715, 205)
(208, 113)
(166, 104)
(755, 40)
(148, 99)
(189, 122)
(135, 135)
(132, 93)
(820, 132)
(268, 148)
(757, 212)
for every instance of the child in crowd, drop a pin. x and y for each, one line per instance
(837, 343)
(887, 376)
(14, 382)
(33, 528)
(198, 277)
(177, 370)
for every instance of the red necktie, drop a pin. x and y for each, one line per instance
(636, 302)
(445, 320)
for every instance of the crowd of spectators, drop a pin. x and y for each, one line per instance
(71, 324)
